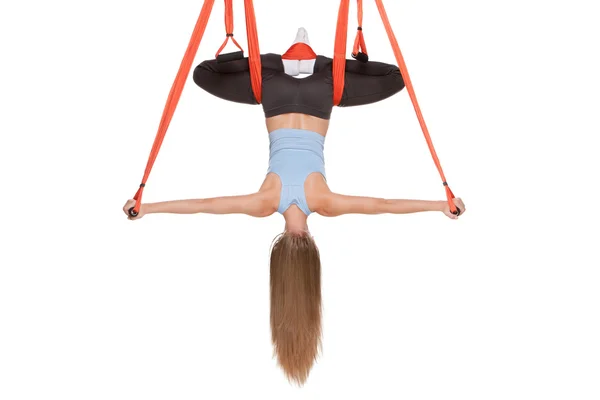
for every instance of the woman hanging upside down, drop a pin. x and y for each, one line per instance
(297, 115)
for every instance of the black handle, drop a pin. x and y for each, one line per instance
(457, 212)
(237, 55)
(132, 212)
(362, 57)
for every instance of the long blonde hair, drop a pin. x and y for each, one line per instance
(295, 286)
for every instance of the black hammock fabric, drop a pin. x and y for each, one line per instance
(365, 83)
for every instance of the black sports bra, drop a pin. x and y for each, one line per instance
(365, 83)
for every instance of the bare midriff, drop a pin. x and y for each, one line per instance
(298, 121)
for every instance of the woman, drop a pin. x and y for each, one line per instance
(297, 115)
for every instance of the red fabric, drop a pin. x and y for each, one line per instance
(339, 52)
(253, 51)
(299, 51)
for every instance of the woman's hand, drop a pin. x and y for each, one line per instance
(130, 203)
(459, 205)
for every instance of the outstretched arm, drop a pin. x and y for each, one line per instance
(336, 204)
(255, 205)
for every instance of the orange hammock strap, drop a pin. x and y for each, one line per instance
(299, 51)
(184, 70)
(413, 98)
(359, 41)
(228, 28)
(175, 94)
(339, 52)
(253, 51)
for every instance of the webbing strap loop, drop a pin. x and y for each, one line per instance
(228, 28)
(359, 42)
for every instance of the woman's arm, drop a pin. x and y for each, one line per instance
(370, 82)
(335, 204)
(228, 80)
(256, 205)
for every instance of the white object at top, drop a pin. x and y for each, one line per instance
(296, 68)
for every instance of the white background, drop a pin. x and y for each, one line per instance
(502, 304)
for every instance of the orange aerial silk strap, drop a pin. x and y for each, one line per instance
(339, 52)
(184, 70)
(253, 51)
(359, 41)
(299, 51)
(413, 97)
(228, 28)
(174, 96)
